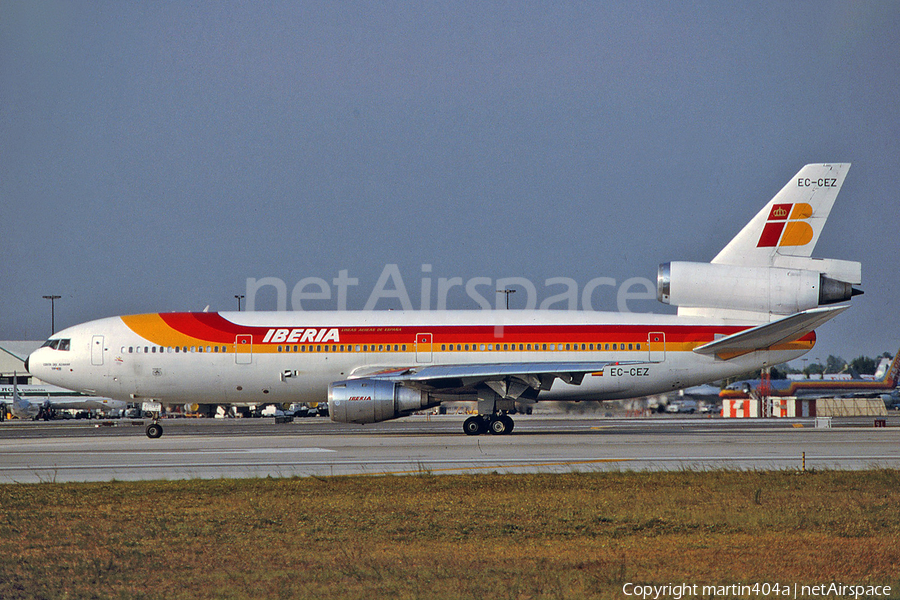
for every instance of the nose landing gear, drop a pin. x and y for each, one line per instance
(154, 429)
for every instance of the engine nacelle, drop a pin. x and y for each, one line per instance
(757, 289)
(374, 400)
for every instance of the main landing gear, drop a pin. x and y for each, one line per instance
(497, 424)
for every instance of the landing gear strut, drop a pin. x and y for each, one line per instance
(496, 424)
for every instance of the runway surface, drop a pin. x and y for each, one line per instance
(212, 448)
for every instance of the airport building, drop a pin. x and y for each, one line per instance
(791, 407)
(12, 360)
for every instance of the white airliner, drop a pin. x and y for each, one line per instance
(756, 304)
(33, 401)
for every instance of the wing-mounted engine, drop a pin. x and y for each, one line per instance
(765, 290)
(373, 400)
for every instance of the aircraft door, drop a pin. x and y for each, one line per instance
(656, 342)
(97, 350)
(423, 347)
(243, 349)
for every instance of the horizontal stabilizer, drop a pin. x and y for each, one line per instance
(771, 334)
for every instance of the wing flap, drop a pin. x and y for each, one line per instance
(537, 375)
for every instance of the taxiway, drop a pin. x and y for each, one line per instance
(213, 448)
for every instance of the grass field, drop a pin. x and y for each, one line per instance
(485, 536)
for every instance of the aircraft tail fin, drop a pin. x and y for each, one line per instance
(790, 224)
(19, 404)
(892, 376)
(767, 270)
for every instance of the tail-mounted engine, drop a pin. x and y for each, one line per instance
(374, 400)
(772, 290)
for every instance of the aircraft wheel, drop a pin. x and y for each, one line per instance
(509, 423)
(499, 425)
(154, 431)
(474, 425)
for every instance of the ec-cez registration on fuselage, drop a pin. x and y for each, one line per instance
(755, 304)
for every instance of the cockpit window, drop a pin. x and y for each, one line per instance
(57, 344)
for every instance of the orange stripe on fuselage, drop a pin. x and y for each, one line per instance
(202, 329)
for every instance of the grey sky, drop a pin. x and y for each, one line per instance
(156, 155)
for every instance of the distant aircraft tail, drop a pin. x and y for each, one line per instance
(892, 376)
(19, 405)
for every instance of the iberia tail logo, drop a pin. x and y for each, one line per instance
(786, 226)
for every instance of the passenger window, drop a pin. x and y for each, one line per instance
(443, 347)
(130, 349)
(630, 346)
(638, 347)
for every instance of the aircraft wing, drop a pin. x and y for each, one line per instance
(771, 334)
(508, 379)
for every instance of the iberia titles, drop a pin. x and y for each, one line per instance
(299, 336)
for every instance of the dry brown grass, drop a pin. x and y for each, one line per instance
(485, 536)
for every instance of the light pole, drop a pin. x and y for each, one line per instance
(239, 296)
(507, 292)
(52, 300)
